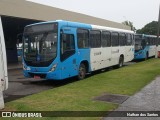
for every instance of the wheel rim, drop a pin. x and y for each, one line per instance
(121, 62)
(146, 56)
(81, 72)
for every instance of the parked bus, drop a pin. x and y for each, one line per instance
(62, 49)
(145, 46)
(3, 67)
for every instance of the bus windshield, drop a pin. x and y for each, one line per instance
(40, 44)
(140, 43)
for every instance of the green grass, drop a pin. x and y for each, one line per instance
(78, 96)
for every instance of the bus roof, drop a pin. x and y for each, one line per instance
(111, 29)
(82, 25)
(145, 35)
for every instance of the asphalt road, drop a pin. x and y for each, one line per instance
(19, 86)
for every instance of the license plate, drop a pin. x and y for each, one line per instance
(37, 77)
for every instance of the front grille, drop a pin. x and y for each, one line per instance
(37, 74)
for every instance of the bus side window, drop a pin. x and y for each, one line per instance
(115, 39)
(151, 41)
(133, 39)
(83, 38)
(106, 39)
(95, 38)
(67, 46)
(129, 39)
(122, 39)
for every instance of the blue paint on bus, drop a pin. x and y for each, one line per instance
(141, 54)
(58, 50)
(144, 46)
(63, 68)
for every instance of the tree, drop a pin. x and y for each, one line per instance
(130, 24)
(150, 28)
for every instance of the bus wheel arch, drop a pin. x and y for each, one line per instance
(121, 61)
(147, 55)
(83, 69)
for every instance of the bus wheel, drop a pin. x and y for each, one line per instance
(82, 71)
(146, 56)
(121, 61)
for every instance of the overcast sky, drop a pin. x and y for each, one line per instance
(140, 12)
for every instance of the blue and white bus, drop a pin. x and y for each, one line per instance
(62, 49)
(145, 46)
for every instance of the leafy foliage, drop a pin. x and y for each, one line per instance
(130, 24)
(150, 28)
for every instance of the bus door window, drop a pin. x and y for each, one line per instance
(67, 46)
(143, 43)
(147, 41)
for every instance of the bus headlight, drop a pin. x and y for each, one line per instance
(53, 68)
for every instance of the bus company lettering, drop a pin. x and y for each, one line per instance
(97, 53)
(117, 51)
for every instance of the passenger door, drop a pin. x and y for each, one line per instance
(68, 53)
(129, 48)
(115, 48)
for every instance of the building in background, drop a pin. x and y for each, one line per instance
(16, 14)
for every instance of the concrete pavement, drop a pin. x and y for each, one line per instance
(19, 86)
(148, 99)
(14, 66)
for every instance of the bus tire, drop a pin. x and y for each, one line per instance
(82, 71)
(121, 62)
(146, 56)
